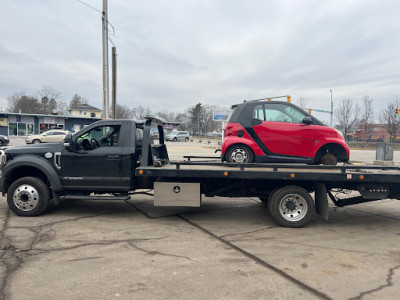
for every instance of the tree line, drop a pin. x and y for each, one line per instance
(198, 119)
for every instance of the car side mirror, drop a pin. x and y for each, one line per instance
(307, 120)
(44, 134)
(68, 142)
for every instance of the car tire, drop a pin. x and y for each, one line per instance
(186, 139)
(291, 206)
(175, 139)
(240, 154)
(329, 159)
(28, 196)
(36, 141)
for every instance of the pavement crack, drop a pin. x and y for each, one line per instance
(260, 261)
(104, 243)
(8, 260)
(148, 252)
(248, 232)
(389, 282)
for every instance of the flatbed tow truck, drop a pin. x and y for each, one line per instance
(106, 169)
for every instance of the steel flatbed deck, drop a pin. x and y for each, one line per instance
(338, 174)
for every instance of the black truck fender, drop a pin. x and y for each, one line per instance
(30, 161)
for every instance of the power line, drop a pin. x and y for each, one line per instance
(90, 6)
(108, 32)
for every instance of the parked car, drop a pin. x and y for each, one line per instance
(4, 140)
(276, 131)
(178, 136)
(50, 136)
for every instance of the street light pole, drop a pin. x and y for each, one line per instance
(105, 60)
(331, 108)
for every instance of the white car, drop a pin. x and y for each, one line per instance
(178, 136)
(50, 136)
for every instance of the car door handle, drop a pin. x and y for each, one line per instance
(113, 156)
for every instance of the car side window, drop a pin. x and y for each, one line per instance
(49, 133)
(100, 136)
(258, 112)
(283, 113)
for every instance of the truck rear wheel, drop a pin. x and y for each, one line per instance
(28, 196)
(291, 206)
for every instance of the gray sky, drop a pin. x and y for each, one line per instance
(173, 54)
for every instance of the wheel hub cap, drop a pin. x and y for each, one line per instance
(26, 197)
(239, 156)
(293, 207)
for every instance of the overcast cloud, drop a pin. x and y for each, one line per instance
(174, 54)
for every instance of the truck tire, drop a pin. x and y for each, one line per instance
(291, 206)
(28, 196)
(239, 154)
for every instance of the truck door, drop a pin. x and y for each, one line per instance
(98, 161)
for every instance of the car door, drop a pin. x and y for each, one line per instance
(47, 137)
(279, 127)
(103, 164)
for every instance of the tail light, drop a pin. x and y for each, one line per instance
(228, 130)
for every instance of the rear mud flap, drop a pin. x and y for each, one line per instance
(321, 201)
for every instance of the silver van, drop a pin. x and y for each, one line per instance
(178, 136)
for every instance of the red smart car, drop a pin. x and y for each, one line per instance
(280, 132)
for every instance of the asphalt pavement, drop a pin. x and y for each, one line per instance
(227, 249)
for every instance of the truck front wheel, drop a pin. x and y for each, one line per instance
(291, 206)
(28, 196)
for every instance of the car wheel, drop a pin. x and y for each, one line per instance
(186, 139)
(175, 139)
(240, 154)
(36, 142)
(329, 159)
(291, 206)
(28, 196)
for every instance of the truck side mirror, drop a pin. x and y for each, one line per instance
(307, 120)
(68, 142)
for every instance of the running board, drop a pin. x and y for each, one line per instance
(84, 197)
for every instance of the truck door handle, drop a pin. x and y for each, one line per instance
(113, 156)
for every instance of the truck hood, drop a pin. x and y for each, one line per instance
(35, 149)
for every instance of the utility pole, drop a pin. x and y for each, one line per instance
(331, 108)
(105, 61)
(114, 83)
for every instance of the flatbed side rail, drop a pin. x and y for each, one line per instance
(275, 167)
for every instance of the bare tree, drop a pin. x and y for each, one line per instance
(367, 117)
(49, 93)
(24, 104)
(124, 112)
(347, 116)
(140, 112)
(303, 102)
(389, 120)
(77, 100)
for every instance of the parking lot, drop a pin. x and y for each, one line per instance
(227, 249)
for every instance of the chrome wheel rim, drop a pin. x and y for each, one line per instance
(293, 207)
(239, 155)
(26, 197)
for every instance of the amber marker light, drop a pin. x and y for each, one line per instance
(141, 172)
(226, 173)
(361, 176)
(292, 175)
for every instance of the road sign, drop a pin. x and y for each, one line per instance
(221, 114)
